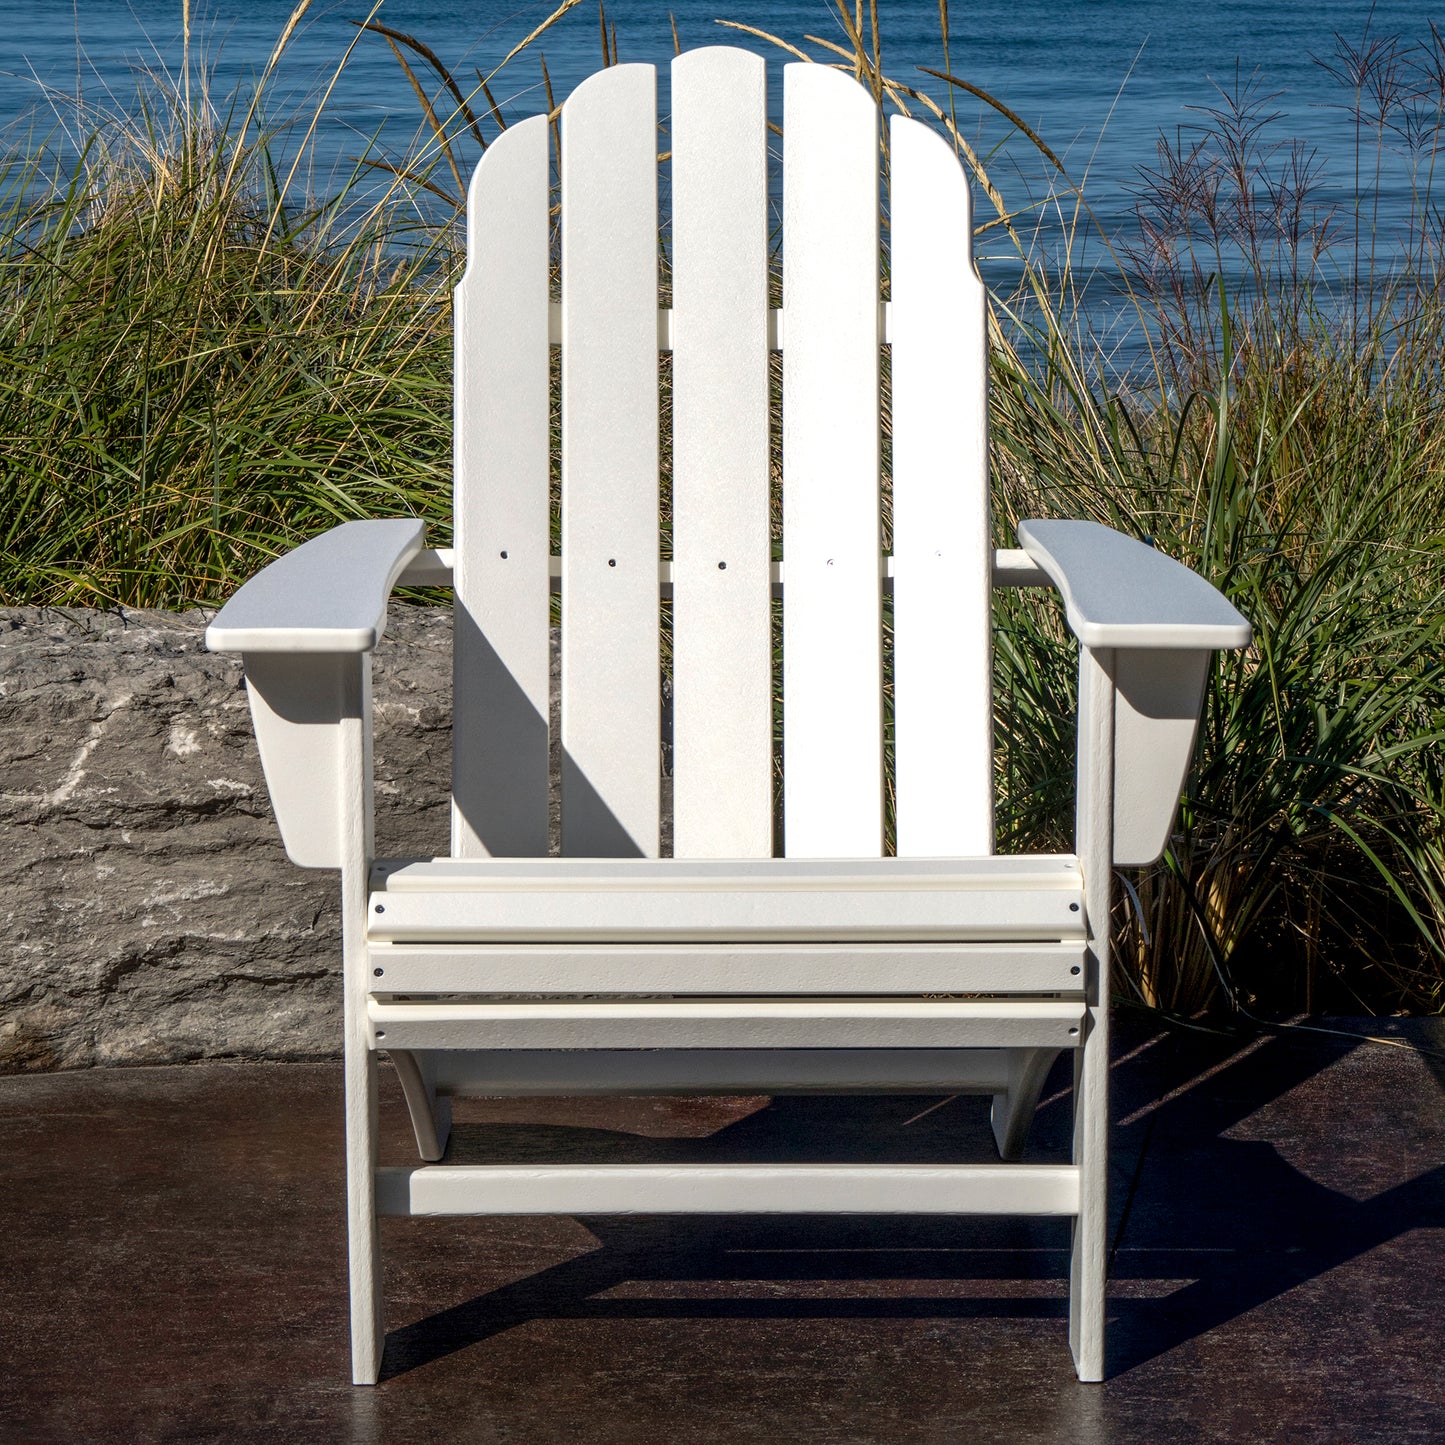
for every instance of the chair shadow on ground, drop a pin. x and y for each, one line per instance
(1233, 1224)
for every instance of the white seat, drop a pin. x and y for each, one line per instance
(778, 901)
(779, 949)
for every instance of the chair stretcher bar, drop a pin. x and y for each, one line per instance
(1033, 1189)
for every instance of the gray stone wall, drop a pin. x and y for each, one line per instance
(149, 913)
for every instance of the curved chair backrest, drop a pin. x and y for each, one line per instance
(836, 337)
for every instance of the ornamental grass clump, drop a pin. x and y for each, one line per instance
(201, 364)
(1287, 444)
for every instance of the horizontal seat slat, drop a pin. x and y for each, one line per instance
(722, 968)
(731, 1023)
(1035, 1189)
(1059, 871)
(596, 900)
(781, 917)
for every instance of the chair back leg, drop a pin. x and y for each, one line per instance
(1013, 1111)
(431, 1113)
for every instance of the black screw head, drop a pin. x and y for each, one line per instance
(1073, 908)
(612, 561)
(378, 972)
(1074, 969)
(722, 566)
(503, 556)
(381, 908)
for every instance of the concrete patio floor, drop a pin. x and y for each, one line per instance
(173, 1267)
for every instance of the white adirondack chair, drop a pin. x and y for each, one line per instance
(800, 962)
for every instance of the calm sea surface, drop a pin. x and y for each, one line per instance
(1100, 81)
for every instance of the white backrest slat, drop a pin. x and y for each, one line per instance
(942, 580)
(611, 674)
(722, 669)
(832, 624)
(500, 504)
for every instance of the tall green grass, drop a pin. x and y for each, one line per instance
(200, 364)
(1287, 445)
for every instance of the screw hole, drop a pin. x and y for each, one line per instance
(1073, 1033)
(381, 1033)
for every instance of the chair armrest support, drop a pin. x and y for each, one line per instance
(1119, 592)
(1154, 625)
(312, 716)
(328, 595)
(304, 627)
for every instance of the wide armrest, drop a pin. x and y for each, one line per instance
(1163, 624)
(328, 595)
(1119, 592)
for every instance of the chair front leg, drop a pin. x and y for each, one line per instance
(368, 1331)
(1094, 845)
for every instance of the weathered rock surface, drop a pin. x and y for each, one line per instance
(147, 911)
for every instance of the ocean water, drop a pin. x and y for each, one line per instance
(1100, 80)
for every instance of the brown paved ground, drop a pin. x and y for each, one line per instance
(173, 1269)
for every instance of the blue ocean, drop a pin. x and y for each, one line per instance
(1102, 83)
